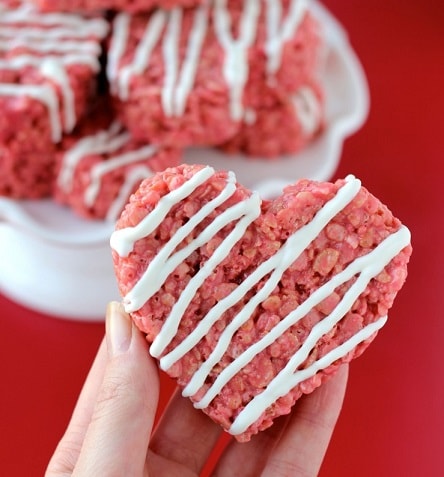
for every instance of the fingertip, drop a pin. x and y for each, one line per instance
(124, 337)
(118, 327)
(126, 402)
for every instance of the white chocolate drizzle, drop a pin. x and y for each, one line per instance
(363, 269)
(236, 60)
(123, 240)
(142, 53)
(275, 266)
(54, 70)
(179, 81)
(178, 84)
(111, 164)
(106, 142)
(43, 93)
(132, 178)
(26, 14)
(72, 40)
(166, 261)
(291, 377)
(116, 50)
(245, 213)
(308, 110)
(280, 31)
(19, 62)
(366, 267)
(43, 46)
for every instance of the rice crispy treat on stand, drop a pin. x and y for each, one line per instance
(250, 303)
(48, 69)
(101, 166)
(131, 6)
(188, 77)
(26, 174)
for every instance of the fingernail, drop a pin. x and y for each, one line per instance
(118, 329)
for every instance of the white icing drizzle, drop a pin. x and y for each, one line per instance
(364, 269)
(165, 262)
(176, 90)
(47, 45)
(103, 142)
(73, 40)
(171, 59)
(111, 164)
(54, 70)
(246, 212)
(117, 47)
(22, 61)
(43, 45)
(288, 378)
(308, 110)
(143, 51)
(43, 93)
(134, 176)
(275, 266)
(106, 142)
(236, 60)
(40, 34)
(178, 82)
(280, 32)
(123, 240)
(26, 14)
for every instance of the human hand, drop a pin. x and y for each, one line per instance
(111, 429)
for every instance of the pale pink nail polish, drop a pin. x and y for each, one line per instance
(118, 329)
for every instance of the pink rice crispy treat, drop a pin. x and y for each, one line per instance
(48, 69)
(281, 125)
(99, 166)
(252, 303)
(187, 77)
(26, 174)
(132, 6)
(10, 4)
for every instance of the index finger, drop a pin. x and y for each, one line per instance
(116, 441)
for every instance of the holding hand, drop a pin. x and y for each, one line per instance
(111, 429)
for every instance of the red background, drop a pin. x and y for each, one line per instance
(392, 423)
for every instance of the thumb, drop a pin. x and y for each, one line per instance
(117, 437)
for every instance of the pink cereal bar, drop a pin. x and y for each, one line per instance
(132, 6)
(281, 126)
(252, 303)
(48, 69)
(26, 174)
(184, 78)
(100, 166)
